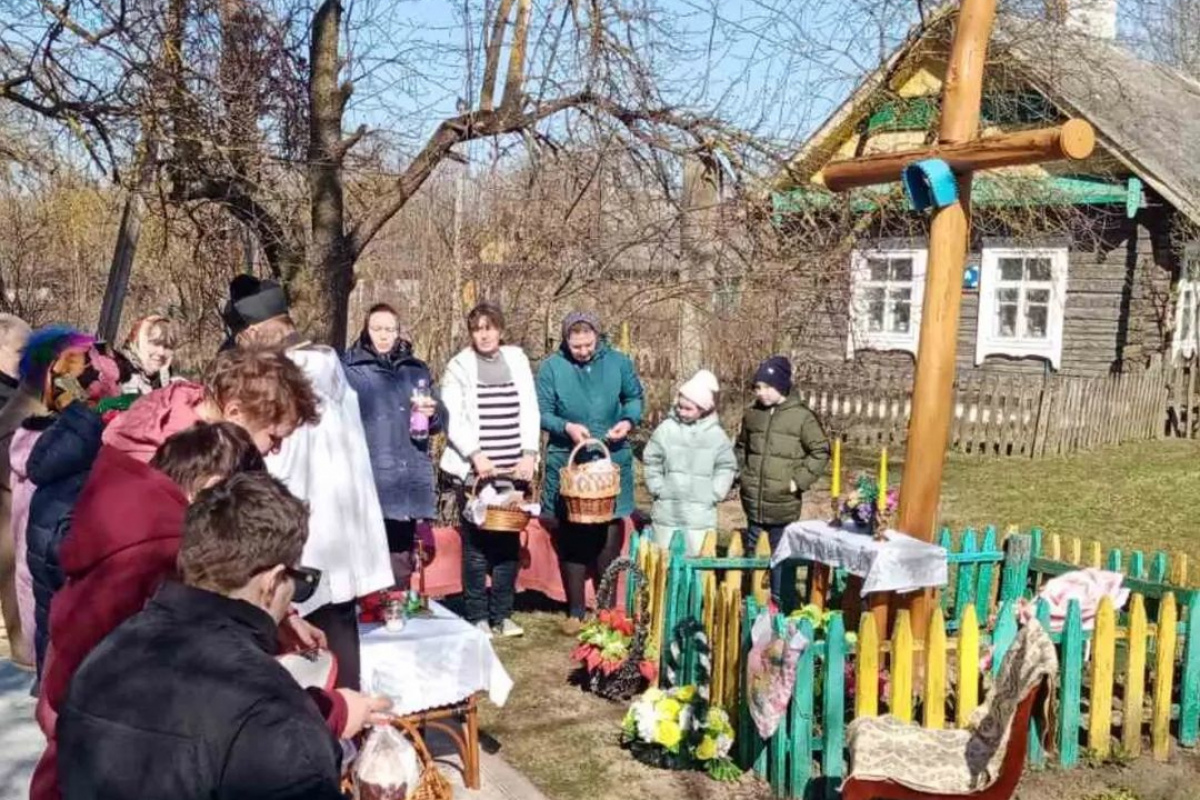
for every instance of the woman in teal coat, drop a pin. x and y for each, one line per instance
(587, 390)
(689, 465)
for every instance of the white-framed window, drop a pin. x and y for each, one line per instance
(887, 287)
(1187, 309)
(1022, 296)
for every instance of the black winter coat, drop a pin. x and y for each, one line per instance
(58, 466)
(184, 701)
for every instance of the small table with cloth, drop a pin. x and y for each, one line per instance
(433, 670)
(899, 563)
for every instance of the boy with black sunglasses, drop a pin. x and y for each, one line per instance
(185, 699)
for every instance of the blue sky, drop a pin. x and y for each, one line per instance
(776, 67)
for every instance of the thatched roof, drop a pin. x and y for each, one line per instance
(1146, 115)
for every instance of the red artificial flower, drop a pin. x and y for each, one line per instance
(605, 616)
(580, 653)
(649, 670)
(593, 660)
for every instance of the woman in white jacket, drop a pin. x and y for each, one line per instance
(493, 425)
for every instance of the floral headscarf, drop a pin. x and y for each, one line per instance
(64, 365)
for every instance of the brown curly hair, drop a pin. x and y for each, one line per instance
(267, 385)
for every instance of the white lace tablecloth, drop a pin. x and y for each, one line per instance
(434, 661)
(899, 564)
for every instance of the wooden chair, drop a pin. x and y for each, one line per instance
(895, 760)
(1004, 787)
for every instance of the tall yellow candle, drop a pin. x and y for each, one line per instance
(883, 480)
(836, 489)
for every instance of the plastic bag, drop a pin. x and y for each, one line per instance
(387, 768)
(771, 672)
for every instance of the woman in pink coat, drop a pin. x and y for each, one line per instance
(22, 494)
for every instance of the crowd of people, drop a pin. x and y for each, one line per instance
(162, 539)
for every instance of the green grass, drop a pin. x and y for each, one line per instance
(1136, 497)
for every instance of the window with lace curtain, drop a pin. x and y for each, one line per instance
(1022, 297)
(886, 291)
(1187, 309)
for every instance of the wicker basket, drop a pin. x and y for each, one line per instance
(590, 499)
(628, 679)
(433, 784)
(501, 519)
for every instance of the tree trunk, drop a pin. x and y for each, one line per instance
(331, 259)
(108, 328)
(697, 256)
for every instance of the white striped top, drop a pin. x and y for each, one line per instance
(499, 413)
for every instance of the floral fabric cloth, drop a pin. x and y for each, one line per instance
(771, 672)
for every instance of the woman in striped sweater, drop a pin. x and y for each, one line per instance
(493, 426)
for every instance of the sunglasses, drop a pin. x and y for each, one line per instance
(305, 580)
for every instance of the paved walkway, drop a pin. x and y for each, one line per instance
(21, 745)
(20, 739)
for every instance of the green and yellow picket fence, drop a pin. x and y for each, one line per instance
(1134, 676)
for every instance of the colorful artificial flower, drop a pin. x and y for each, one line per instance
(678, 729)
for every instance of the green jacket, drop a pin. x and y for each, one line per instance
(689, 468)
(598, 395)
(777, 446)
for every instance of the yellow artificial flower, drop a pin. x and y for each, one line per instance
(668, 733)
(707, 748)
(652, 695)
(685, 694)
(668, 708)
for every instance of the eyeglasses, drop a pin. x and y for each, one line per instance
(305, 580)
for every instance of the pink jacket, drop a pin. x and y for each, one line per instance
(22, 494)
(139, 431)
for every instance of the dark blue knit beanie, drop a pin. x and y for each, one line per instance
(776, 371)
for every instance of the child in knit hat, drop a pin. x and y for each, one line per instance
(782, 450)
(689, 465)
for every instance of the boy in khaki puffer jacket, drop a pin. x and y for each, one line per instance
(782, 450)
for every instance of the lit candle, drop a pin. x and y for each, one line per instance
(883, 483)
(836, 489)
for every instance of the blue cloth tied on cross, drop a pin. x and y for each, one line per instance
(930, 182)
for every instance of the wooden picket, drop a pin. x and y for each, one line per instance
(866, 680)
(902, 669)
(935, 672)
(1104, 649)
(1164, 670)
(968, 667)
(1135, 678)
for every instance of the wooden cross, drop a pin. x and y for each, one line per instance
(958, 146)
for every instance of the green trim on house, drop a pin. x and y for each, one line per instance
(996, 109)
(1007, 192)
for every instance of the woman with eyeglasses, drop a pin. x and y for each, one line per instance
(400, 411)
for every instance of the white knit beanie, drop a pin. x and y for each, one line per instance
(701, 389)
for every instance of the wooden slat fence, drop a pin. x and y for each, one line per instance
(1132, 678)
(999, 413)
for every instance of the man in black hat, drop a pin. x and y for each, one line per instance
(326, 464)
